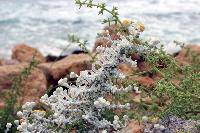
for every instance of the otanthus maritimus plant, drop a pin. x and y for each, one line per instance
(84, 100)
(84, 103)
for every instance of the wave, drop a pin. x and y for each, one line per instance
(45, 24)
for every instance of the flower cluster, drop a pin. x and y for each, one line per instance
(134, 27)
(84, 100)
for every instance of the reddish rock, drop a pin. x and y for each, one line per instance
(136, 56)
(144, 66)
(133, 127)
(112, 29)
(145, 81)
(72, 63)
(126, 69)
(104, 42)
(32, 88)
(8, 72)
(24, 53)
(185, 55)
(1, 104)
(8, 62)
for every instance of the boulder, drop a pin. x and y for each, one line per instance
(8, 72)
(8, 62)
(24, 53)
(72, 63)
(112, 30)
(144, 66)
(104, 41)
(126, 69)
(133, 127)
(1, 103)
(185, 55)
(53, 58)
(143, 80)
(32, 88)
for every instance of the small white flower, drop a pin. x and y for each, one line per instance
(116, 117)
(28, 106)
(156, 126)
(127, 105)
(162, 127)
(16, 122)
(96, 104)
(19, 128)
(19, 114)
(30, 127)
(137, 90)
(104, 131)
(101, 102)
(63, 82)
(55, 115)
(125, 117)
(144, 118)
(86, 117)
(24, 124)
(73, 75)
(59, 89)
(8, 125)
(44, 98)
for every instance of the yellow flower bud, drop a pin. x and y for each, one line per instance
(140, 26)
(154, 119)
(126, 22)
(39, 111)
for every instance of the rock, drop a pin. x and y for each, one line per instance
(79, 52)
(185, 55)
(8, 62)
(8, 72)
(145, 81)
(137, 57)
(72, 63)
(1, 103)
(133, 127)
(144, 66)
(53, 58)
(104, 42)
(112, 29)
(32, 88)
(126, 69)
(137, 99)
(24, 53)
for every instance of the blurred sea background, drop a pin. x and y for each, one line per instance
(45, 24)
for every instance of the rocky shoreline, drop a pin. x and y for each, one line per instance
(51, 68)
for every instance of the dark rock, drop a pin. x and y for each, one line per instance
(53, 58)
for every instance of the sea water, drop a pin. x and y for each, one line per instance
(45, 24)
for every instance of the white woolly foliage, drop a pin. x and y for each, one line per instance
(85, 100)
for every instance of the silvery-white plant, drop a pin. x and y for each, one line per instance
(85, 100)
